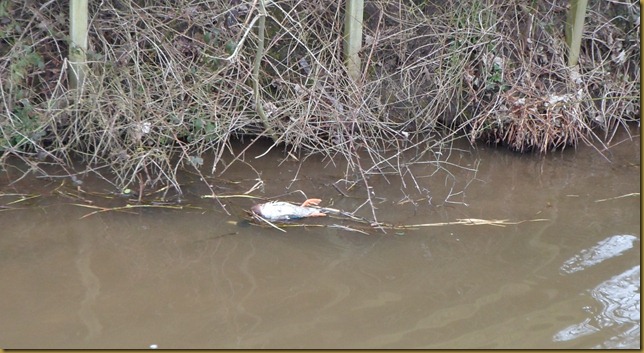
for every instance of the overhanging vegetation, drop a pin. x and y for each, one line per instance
(167, 82)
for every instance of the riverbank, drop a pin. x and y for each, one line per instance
(169, 84)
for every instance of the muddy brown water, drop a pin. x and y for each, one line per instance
(200, 278)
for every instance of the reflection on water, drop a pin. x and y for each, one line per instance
(194, 278)
(619, 298)
(612, 246)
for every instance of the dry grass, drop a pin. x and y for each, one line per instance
(525, 96)
(170, 82)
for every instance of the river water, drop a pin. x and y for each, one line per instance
(202, 277)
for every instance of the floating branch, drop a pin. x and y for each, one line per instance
(632, 194)
(128, 208)
(384, 226)
(230, 197)
(471, 222)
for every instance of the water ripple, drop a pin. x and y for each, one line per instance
(620, 300)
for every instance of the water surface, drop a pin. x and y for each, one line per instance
(197, 278)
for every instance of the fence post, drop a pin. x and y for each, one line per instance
(78, 42)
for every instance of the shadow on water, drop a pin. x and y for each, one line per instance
(200, 278)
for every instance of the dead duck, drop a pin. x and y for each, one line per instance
(284, 211)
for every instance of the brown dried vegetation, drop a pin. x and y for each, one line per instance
(170, 81)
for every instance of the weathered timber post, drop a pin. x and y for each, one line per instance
(78, 42)
(353, 36)
(574, 29)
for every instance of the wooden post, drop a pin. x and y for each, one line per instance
(259, 54)
(78, 42)
(574, 29)
(353, 36)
